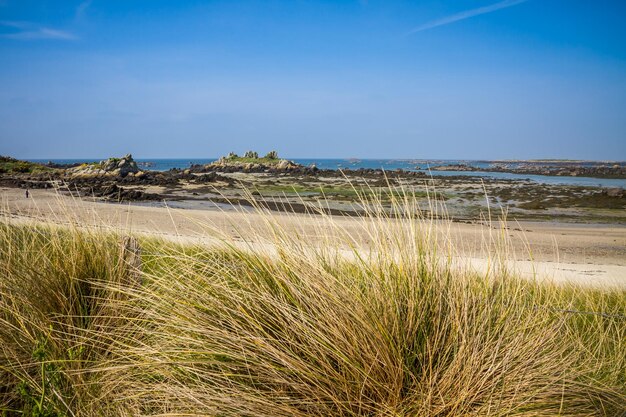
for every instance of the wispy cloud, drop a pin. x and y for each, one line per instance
(465, 15)
(31, 31)
(81, 10)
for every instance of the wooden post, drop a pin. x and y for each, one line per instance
(131, 258)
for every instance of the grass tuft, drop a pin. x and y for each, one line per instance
(92, 323)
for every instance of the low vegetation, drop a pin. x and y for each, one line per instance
(244, 160)
(252, 157)
(95, 324)
(12, 165)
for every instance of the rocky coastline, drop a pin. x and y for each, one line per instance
(608, 171)
(235, 180)
(122, 179)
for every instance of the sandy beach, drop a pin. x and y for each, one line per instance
(588, 254)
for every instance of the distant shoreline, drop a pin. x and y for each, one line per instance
(597, 173)
(209, 158)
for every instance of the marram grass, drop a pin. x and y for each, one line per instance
(290, 328)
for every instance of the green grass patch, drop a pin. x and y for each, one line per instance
(240, 160)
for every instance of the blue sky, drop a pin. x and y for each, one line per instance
(370, 79)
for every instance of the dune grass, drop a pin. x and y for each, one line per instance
(276, 326)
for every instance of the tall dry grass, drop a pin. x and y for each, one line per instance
(289, 322)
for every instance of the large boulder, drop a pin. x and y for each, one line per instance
(113, 167)
(286, 165)
(615, 192)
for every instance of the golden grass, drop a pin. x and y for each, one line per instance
(277, 326)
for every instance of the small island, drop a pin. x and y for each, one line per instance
(252, 162)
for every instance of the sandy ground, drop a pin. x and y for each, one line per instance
(589, 254)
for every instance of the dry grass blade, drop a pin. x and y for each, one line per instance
(273, 325)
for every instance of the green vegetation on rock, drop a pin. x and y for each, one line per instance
(12, 165)
(252, 157)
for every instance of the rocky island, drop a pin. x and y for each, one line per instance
(251, 162)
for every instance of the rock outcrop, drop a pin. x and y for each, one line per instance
(113, 192)
(251, 163)
(112, 167)
(559, 169)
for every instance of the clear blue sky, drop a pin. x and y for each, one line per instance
(371, 79)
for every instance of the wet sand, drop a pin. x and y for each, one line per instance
(588, 254)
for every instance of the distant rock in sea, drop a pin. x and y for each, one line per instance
(251, 162)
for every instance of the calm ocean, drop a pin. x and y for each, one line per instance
(386, 164)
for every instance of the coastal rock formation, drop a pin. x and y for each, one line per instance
(285, 165)
(113, 192)
(557, 168)
(457, 167)
(114, 167)
(252, 163)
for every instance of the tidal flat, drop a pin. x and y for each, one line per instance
(283, 185)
